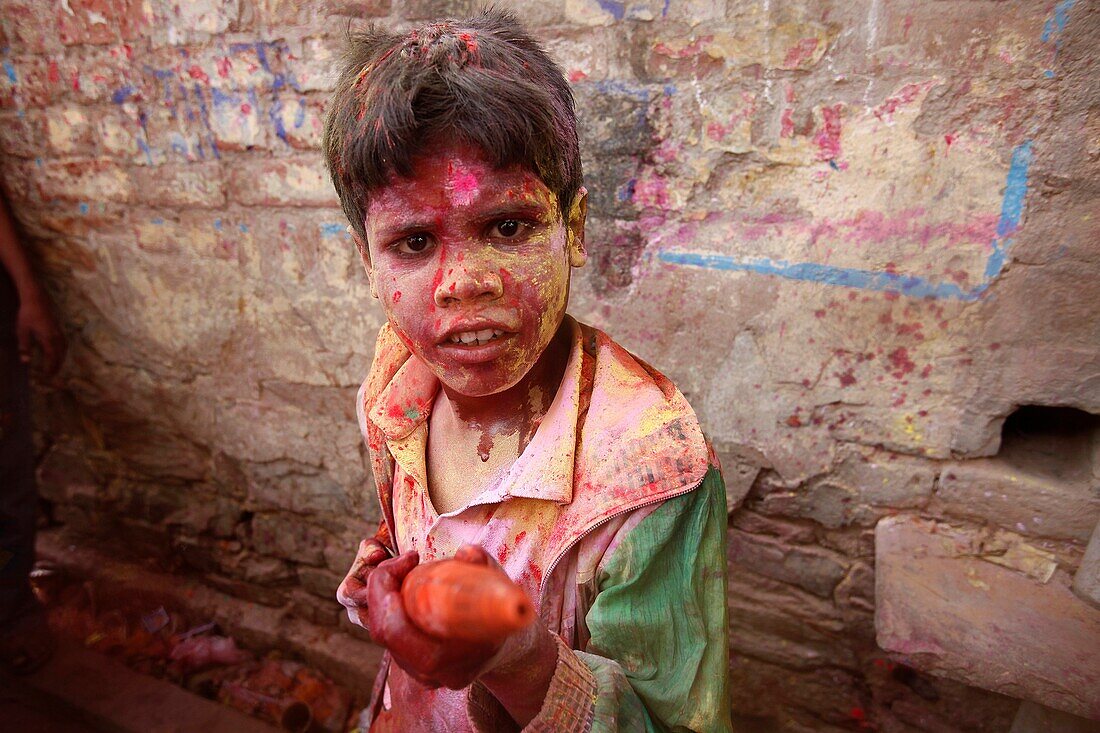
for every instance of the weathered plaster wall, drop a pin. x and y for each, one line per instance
(857, 234)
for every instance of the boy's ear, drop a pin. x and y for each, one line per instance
(578, 212)
(364, 255)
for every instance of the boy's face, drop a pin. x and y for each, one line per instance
(472, 265)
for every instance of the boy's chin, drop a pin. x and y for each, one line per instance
(480, 382)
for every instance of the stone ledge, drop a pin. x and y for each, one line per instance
(348, 661)
(943, 609)
(106, 695)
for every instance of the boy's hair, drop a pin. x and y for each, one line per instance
(482, 81)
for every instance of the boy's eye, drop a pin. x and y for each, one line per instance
(510, 228)
(414, 244)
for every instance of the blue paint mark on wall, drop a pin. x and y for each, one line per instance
(333, 230)
(617, 8)
(1053, 29)
(1057, 22)
(1012, 207)
(122, 94)
(84, 208)
(10, 71)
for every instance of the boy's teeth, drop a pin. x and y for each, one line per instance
(475, 337)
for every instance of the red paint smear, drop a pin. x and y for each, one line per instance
(651, 192)
(800, 52)
(520, 537)
(828, 137)
(794, 421)
(786, 124)
(535, 572)
(900, 361)
(397, 296)
(907, 94)
(470, 41)
(692, 49)
(196, 72)
(54, 73)
(76, 81)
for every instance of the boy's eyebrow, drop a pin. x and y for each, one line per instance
(532, 209)
(404, 229)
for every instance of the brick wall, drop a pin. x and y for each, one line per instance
(858, 235)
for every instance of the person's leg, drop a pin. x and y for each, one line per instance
(24, 641)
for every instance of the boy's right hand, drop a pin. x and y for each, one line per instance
(352, 593)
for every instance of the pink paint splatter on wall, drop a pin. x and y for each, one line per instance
(800, 53)
(828, 137)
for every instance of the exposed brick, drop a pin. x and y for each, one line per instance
(196, 185)
(25, 83)
(433, 9)
(934, 601)
(282, 182)
(29, 26)
(289, 538)
(1021, 499)
(100, 22)
(298, 121)
(69, 131)
(357, 8)
(85, 180)
(22, 134)
(811, 568)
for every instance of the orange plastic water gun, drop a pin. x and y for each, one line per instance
(454, 599)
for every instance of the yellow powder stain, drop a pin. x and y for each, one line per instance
(974, 580)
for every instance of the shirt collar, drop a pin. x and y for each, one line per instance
(544, 470)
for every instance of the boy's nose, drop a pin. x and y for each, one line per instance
(464, 282)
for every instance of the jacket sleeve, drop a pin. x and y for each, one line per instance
(658, 657)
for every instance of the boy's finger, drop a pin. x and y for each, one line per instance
(473, 553)
(387, 576)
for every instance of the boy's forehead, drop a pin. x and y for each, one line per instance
(461, 176)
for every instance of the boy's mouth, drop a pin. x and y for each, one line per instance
(475, 338)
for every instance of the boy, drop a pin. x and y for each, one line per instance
(501, 430)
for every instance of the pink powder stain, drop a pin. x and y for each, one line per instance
(865, 227)
(576, 75)
(786, 124)
(847, 378)
(397, 296)
(800, 53)
(651, 192)
(196, 72)
(900, 361)
(464, 187)
(692, 49)
(828, 137)
(224, 65)
(905, 95)
(246, 108)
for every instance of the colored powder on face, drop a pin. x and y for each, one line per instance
(464, 188)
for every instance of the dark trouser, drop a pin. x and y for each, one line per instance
(18, 496)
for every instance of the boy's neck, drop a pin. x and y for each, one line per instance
(520, 407)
